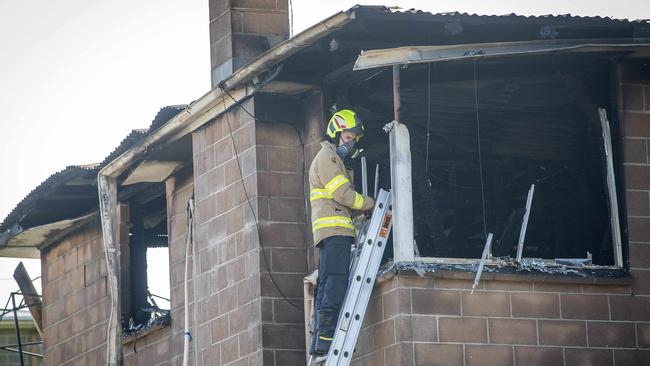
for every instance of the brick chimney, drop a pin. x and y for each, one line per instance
(241, 30)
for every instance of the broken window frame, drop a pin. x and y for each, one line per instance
(135, 249)
(400, 154)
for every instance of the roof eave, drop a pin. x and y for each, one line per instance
(426, 54)
(28, 243)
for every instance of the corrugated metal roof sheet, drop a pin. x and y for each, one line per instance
(26, 205)
(165, 114)
(567, 16)
(44, 191)
(130, 140)
(70, 173)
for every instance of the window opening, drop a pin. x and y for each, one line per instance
(146, 273)
(538, 123)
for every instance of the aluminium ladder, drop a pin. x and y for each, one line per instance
(371, 244)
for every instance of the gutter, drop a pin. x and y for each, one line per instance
(288, 48)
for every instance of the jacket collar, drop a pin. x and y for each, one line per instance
(328, 145)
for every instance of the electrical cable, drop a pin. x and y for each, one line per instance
(480, 159)
(302, 187)
(241, 176)
(450, 184)
(426, 159)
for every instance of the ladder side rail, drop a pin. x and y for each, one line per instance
(364, 298)
(344, 335)
(360, 290)
(363, 260)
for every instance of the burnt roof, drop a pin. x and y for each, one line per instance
(328, 61)
(72, 191)
(75, 185)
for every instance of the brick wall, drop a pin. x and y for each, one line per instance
(415, 320)
(75, 299)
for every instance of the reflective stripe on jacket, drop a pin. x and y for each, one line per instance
(332, 195)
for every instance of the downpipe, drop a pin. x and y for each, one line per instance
(189, 240)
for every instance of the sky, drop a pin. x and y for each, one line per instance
(76, 76)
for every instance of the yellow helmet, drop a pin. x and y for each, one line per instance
(345, 120)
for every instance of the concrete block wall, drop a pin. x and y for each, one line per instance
(286, 144)
(228, 284)
(282, 233)
(415, 320)
(246, 315)
(635, 123)
(75, 299)
(241, 30)
(313, 130)
(151, 347)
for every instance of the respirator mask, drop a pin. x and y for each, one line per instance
(345, 149)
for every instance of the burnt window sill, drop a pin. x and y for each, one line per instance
(551, 274)
(158, 324)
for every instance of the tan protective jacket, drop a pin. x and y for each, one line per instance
(332, 195)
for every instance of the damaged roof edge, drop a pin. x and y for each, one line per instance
(424, 54)
(286, 49)
(208, 105)
(28, 243)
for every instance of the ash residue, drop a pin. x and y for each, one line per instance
(164, 318)
(528, 266)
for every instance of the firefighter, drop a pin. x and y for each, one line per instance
(333, 201)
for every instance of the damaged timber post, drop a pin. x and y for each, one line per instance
(364, 176)
(396, 93)
(611, 187)
(400, 178)
(481, 264)
(107, 187)
(31, 296)
(524, 223)
(376, 181)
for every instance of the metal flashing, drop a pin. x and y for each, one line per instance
(151, 172)
(288, 48)
(27, 243)
(424, 54)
